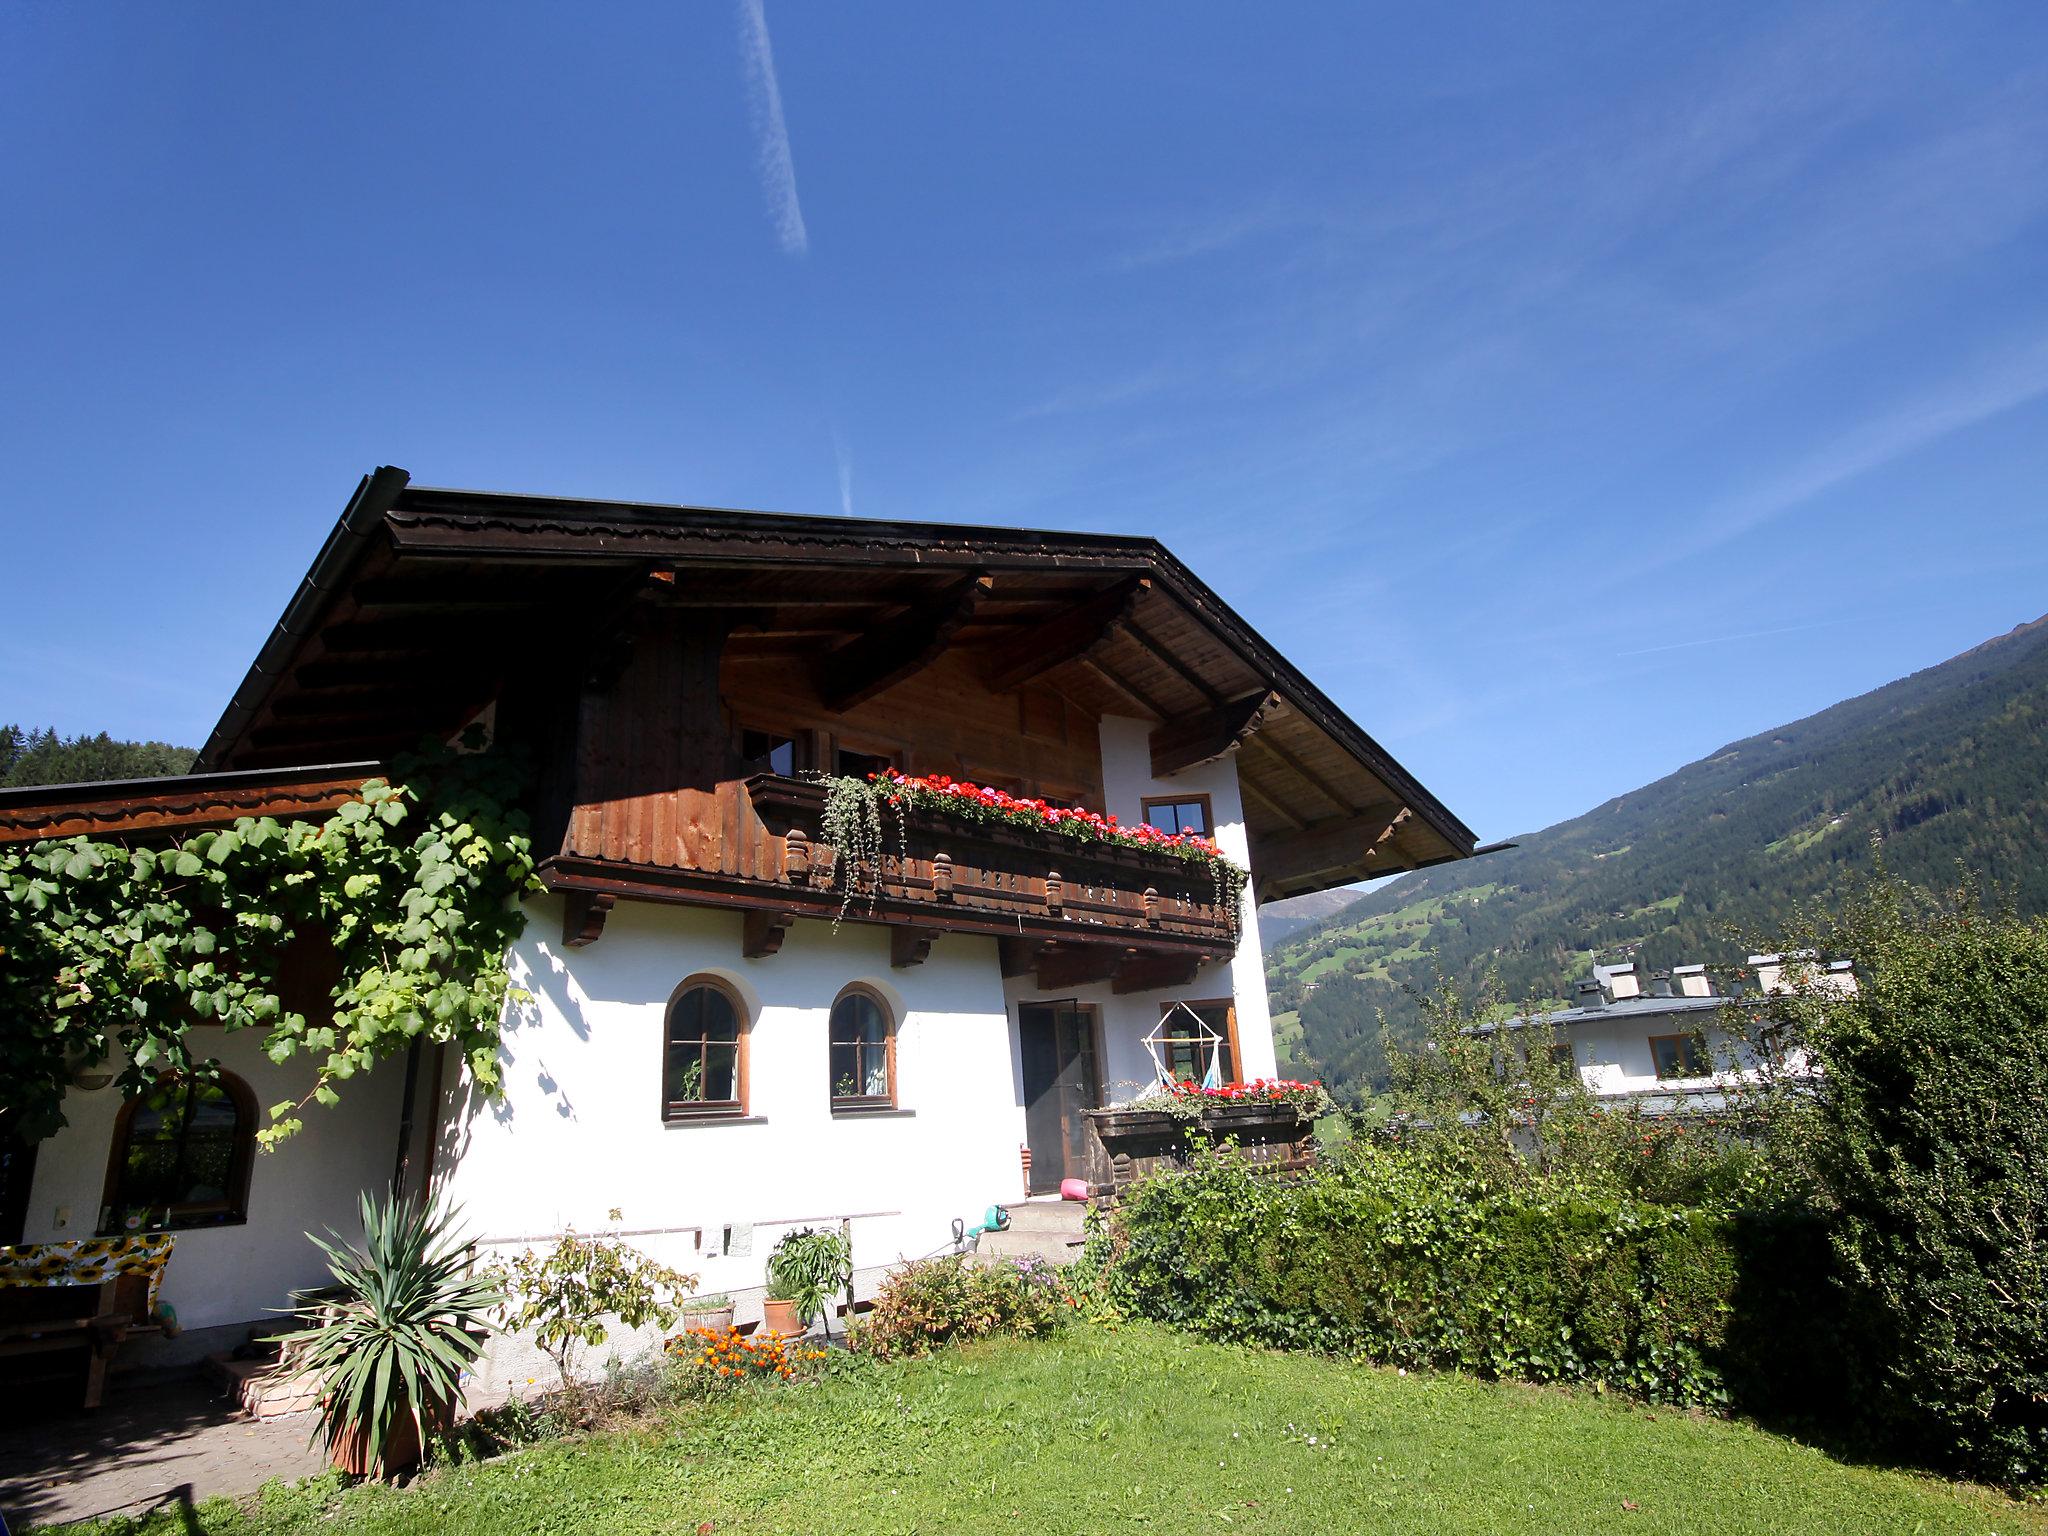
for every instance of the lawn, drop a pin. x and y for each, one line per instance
(1143, 1429)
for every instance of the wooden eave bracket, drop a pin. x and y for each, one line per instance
(583, 916)
(1127, 968)
(892, 652)
(910, 946)
(1183, 744)
(1351, 847)
(762, 932)
(1064, 637)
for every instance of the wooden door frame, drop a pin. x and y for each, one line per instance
(1096, 1045)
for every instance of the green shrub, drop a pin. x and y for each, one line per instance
(944, 1300)
(1934, 1154)
(1409, 1256)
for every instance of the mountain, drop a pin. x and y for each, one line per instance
(1948, 765)
(1281, 920)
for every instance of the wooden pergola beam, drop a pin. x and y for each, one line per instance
(1214, 733)
(1064, 637)
(891, 652)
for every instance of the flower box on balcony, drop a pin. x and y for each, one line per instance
(930, 856)
(1130, 1144)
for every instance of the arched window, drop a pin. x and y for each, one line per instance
(704, 1069)
(181, 1157)
(863, 1052)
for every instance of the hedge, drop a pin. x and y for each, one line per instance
(1404, 1258)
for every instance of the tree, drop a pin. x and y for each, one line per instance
(1933, 1156)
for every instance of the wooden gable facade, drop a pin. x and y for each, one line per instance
(675, 672)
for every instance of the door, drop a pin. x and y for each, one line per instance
(1060, 1081)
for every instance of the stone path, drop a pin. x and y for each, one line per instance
(154, 1444)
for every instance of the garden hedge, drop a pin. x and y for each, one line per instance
(1407, 1259)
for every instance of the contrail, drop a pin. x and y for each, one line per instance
(1755, 634)
(778, 171)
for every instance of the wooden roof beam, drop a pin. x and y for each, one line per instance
(1270, 801)
(1174, 664)
(1338, 845)
(1184, 744)
(1129, 690)
(1345, 804)
(891, 652)
(1064, 637)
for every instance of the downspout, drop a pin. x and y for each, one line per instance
(412, 1088)
(346, 544)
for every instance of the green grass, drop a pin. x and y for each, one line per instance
(1141, 1429)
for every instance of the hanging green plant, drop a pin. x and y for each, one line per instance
(105, 948)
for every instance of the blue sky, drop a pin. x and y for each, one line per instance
(1569, 391)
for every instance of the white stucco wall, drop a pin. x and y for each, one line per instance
(1613, 1056)
(1127, 782)
(579, 1130)
(236, 1274)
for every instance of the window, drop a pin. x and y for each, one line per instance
(1679, 1056)
(769, 751)
(181, 1157)
(1189, 815)
(1561, 1056)
(863, 1052)
(704, 1073)
(1186, 1050)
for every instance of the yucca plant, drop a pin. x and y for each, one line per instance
(390, 1339)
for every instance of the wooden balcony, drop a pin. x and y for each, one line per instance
(1071, 911)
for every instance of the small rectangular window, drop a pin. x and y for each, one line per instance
(1678, 1056)
(1189, 815)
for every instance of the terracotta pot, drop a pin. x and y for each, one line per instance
(780, 1317)
(402, 1450)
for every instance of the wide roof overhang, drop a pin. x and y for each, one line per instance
(422, 599)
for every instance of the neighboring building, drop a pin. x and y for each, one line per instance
(1670, 1048)
(702, 1045)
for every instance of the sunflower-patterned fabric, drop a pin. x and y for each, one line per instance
(88, 1261)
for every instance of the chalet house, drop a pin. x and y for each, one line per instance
(1670, 1049)
(711, 1040)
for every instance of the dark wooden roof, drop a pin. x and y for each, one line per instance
(422, 599)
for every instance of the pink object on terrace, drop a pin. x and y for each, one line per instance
(1073, 1189)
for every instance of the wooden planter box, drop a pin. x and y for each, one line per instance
(1130, 1144)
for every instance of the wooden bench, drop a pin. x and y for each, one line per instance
(66, 1319)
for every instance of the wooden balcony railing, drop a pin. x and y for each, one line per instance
(1070, 909)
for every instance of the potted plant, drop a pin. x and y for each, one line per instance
(713, 1312)
(807, 1269)
(389, 1341)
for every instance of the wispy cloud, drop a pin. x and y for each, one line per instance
(2002, 384)
(845, 474)
(778, 170)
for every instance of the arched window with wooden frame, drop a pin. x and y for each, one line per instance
(704, 1061)
(181, 1158)
(862, 1051)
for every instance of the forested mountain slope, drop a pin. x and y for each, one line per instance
(1946, 765)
